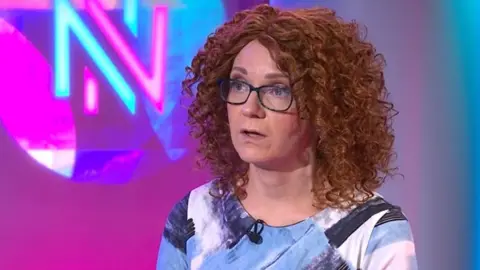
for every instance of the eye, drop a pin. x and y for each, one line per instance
(238, 86)
(278, 91)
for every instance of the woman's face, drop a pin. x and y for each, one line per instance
(268, 139)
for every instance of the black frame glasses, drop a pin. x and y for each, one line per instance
(224, 86)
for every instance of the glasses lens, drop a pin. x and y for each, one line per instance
(277, 98)
(235, 92)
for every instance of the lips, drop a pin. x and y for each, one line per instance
(252, 133)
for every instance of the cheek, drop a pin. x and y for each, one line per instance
(286, 126)
(290, 129)
(232, 115)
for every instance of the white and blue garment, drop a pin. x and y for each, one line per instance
(206, 232)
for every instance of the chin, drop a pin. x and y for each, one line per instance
(251, 155)
(264, 159)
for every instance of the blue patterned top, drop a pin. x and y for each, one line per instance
(207, 232)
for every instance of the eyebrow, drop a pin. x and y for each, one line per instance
(274, 75)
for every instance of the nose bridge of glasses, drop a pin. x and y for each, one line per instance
(256, 97)
(238, 92)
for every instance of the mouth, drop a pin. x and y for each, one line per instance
(252, 133)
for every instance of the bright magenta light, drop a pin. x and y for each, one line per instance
(90, 92)
(153, 81)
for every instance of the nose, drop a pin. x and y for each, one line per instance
(252, 107)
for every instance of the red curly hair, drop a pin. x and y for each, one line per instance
(337, 82)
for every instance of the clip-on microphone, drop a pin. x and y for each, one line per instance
(254, 235)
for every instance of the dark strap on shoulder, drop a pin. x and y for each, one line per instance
(178, 228)
(340, 231)
(343, 266)
(395, 214)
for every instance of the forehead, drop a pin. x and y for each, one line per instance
(255, 57)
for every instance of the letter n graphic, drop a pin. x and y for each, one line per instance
(152, 81)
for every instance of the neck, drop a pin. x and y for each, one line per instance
(282, 196)
(279, 198)
(279, 186)
(289, 183)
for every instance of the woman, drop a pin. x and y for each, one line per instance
(290, 108)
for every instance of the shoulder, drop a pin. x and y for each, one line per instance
(372, 230)
(361, 219)
(391, 243)
(388, 223)
(391, 234)
(195, 198)
(179, 226)
(390, 228)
